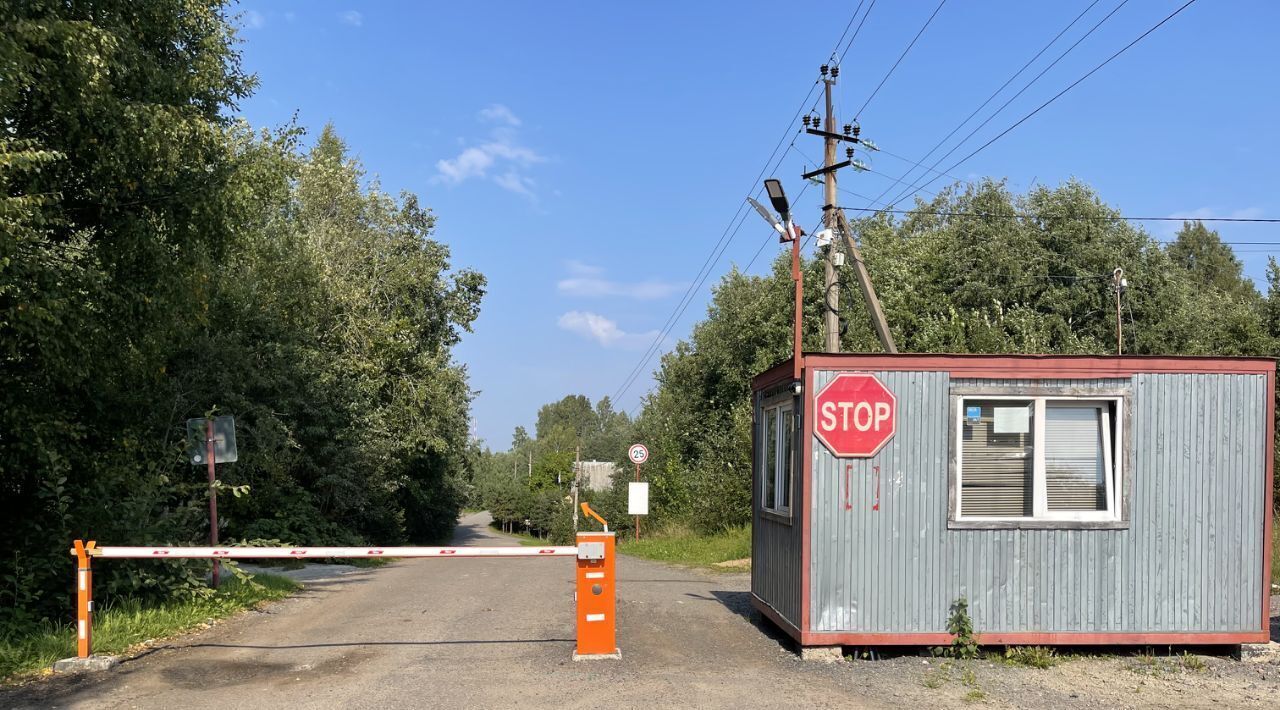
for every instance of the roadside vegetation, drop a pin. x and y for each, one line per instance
(123, 626)
(683, 545)
(163, 260)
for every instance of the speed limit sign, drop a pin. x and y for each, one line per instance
(638, 453)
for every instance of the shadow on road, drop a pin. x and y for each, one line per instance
(740, 604)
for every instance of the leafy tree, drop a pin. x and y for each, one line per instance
(1211, 263)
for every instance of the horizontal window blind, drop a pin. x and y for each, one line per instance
(997, 467)
(1073, 458)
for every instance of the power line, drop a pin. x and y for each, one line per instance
(1097, 218)
(992, 97)
(730, 230)
(855, 32)
(900, 58)
(1069, 87)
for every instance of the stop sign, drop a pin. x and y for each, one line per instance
(856, 415)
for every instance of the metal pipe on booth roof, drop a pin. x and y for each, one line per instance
(796, 338)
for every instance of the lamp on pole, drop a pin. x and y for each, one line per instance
(789, 233)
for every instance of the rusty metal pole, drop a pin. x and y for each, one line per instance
(637, 517)
(213, 498)
(799, 314)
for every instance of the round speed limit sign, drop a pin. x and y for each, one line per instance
(638, 453)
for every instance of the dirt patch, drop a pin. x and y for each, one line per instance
(744, 563)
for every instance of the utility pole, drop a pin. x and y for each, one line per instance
(836, 222)
(831, 287)
(1119, 283)
(577, 474)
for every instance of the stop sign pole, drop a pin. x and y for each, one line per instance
(855, 415)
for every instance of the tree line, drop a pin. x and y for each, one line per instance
(162, 260)
(978, 269)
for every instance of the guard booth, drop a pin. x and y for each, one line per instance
(1071, 500)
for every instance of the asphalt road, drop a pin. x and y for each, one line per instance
(470, 633)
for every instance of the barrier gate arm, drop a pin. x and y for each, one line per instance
(596, 596)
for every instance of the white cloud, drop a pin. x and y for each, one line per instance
(1170, 228)
(497, 113)
(351, 17)
(604, 331)
(502, 158)
(254, 20)
(588, 281)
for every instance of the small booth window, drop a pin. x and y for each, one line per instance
(1038, 459)
(777, 457)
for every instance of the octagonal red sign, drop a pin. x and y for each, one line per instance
(855, 415)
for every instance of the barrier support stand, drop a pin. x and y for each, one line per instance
(596, 597)
(84, 659)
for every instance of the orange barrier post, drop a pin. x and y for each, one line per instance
(84, 598)
(596, 597)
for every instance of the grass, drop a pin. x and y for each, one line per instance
(683, 546)
(125, 625)
(1275, 551)
(1030, 656)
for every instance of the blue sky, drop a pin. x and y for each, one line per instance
(587, 156)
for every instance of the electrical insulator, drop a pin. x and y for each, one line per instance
(805, 120)
(847, 129)
(856, 130)
(823, 69)
(835, 72)
(848, 152)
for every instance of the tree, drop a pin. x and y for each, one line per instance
(1200, 251)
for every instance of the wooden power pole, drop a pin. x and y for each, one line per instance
(830, 284)
(836, 221)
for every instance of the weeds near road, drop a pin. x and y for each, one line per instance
(123, 625)
(1030, 656)
(683, 546)
(960, 626)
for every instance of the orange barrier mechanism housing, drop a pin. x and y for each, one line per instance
(596, 597)
(84, 597)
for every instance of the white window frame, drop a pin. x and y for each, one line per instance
(1113, 459)
(782, 466)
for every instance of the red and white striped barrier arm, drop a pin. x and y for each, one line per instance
(250, 553)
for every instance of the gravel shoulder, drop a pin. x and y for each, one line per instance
(499, 633)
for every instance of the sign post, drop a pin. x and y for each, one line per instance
(638, 453)
(856, 415)
(213, 441)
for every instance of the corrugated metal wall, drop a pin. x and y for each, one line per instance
(775, 546)
(1189, 561)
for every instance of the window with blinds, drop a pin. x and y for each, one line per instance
(1038, 458)
(997, 473)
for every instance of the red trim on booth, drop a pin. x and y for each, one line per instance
(1044, 366)
(1010, 638)
(1039, 638)
(806, 525)
(1269, 481)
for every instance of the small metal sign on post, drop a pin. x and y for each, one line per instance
(638, 453)
(212, 441)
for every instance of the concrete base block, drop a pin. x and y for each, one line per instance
(86, 665)
(822, 654)
(615, 656)
(1259, 652)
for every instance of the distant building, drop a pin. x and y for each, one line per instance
(596, 475)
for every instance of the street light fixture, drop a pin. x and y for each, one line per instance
(773, 186)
